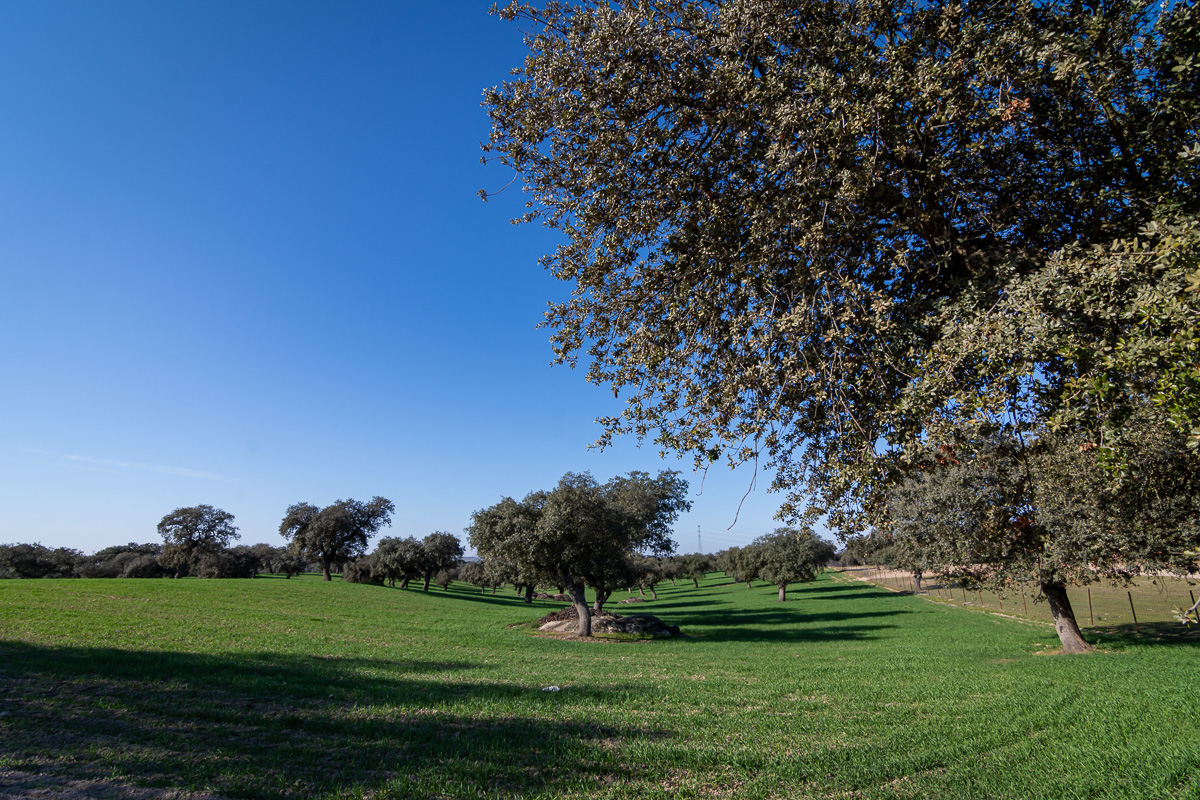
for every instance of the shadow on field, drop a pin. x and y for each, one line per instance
(1154, 633)
(273, 725)
(779, 626)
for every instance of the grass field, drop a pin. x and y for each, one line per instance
(298, 688)
(1145, 607)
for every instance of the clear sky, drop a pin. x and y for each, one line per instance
(244, 263)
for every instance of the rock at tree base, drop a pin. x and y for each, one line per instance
(562, 598)
(567, 621)
(632, 600)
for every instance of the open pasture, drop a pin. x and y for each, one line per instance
(299, 688)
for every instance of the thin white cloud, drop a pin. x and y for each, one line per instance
(87, 462)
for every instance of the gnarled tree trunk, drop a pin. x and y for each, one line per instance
(529, 593)
(782, 591)
(917, 581)
(1064, 618)
(325, 562)
(602, 596)
(575, 590)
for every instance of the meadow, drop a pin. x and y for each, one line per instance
(298, 688)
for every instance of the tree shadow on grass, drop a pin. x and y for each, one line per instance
(1152, 633)
(277, 725)
(780, 626)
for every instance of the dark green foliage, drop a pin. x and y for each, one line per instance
(790, 556)
(695, 566)
(364, 569)
(237, 562)
(583, 533)
(338, 532)
(191, 533)
(815, 233)
(1045, 511)
(399, 559)
(37, 561)
(122, 561)
(440, 552)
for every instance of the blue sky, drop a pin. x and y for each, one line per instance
(244, 263)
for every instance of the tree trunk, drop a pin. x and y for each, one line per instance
(529, 593)
(602, 595)
(696, 581)
(917, 581)
(428, 577)
(747, 584)
(1064, 619)
(653, 593)
(325, 569)
(581, 608)
(404, 581)
(642, 589)
(494, 588)
(782, 591)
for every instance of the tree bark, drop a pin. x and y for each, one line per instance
(1064, 619)
(782, 591)
(602, 596)
(575, 590)
(696, 581)
(653, 593)
(529, 593)
(917, 581)
(428, 578)
(325, 569)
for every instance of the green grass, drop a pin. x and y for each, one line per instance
(298, 688)
(1145, 607)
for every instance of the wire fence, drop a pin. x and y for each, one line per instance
(1148, 606)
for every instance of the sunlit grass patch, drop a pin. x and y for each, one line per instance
(289, 688)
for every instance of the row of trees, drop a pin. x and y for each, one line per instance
(936, 264)
(145, 561)
(437, 556)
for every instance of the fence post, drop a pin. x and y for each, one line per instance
(1023, 601)
(1091, 620)
(1136, 628)
(964, 590)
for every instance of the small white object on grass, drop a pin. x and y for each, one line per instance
(550, 689)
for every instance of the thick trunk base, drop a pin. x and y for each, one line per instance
(1064, 619)
(782, 593)
(581, 608)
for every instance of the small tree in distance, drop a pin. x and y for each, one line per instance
(191, 533)
(338, 532)
(441, 552)
(791, 556)
(583, 532)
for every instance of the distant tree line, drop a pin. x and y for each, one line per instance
(135, 560)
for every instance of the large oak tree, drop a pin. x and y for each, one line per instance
(338, 532)
(583, 533)
(829, 235)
